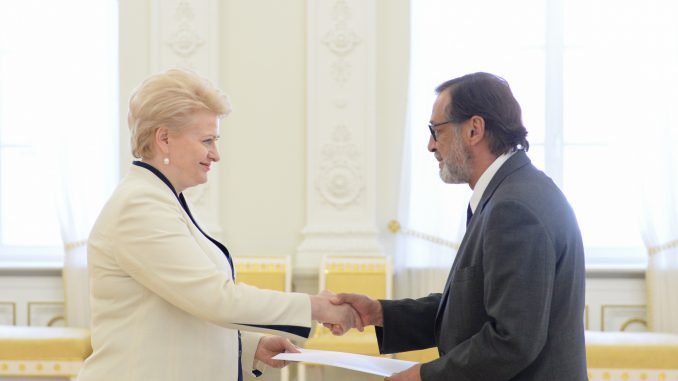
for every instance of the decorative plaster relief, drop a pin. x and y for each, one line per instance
(185, 39)
(341, 41)
(340, 181)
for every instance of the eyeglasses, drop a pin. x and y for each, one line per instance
(431, 125)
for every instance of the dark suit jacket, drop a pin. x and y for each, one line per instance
(512, 308)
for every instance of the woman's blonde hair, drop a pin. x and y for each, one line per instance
(169, 99)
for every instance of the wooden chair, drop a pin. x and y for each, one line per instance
(273, 273)
(352, 274)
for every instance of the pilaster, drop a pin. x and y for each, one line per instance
(340, 137)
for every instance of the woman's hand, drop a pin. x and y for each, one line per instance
(270, 346)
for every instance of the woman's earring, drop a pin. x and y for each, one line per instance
(165, 161)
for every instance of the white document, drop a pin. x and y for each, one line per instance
(368, 364)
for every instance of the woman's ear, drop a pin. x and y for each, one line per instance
(162, 139)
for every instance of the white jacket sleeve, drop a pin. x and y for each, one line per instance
(157, 245)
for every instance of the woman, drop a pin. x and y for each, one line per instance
(164, 302)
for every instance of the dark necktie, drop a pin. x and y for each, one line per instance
(469, 213)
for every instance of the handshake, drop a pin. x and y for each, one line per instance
(339, 313)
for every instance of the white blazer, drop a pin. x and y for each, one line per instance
(164, 304)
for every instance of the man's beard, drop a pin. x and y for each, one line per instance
(455, 169)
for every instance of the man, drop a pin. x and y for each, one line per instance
(513, 303)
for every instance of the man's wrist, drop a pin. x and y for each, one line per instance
(379, 319)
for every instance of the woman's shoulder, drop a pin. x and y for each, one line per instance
(142, 182)
(139, 192)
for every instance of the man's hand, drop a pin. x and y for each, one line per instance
(270, 346)
(411, 374)
(369, 309)
(338, 317)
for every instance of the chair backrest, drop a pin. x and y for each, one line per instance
(274, 273)
(369, 275)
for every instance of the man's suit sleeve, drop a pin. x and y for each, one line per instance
(408, 324)
(518, 262)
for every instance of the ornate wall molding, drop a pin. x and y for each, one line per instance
(184, 33)
(340, 181)
(341, 157)
(341, 40)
